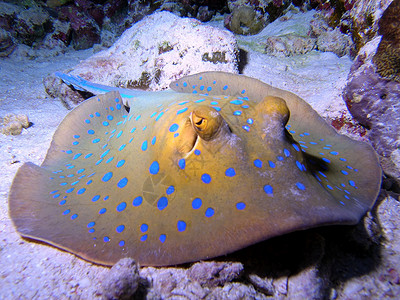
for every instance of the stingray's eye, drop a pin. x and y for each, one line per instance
(206, 122)
(199, 122)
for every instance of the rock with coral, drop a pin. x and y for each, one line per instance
(13, 124)
(289, 45)
(387, 57)
(157, 50)
(374, 102)
(122, 281)
(7, 44)
(244, 20)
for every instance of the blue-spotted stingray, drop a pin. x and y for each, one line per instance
(214, 164)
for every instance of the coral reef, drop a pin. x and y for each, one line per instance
(373, 101)
(13, 124)
(387, 57)
(156, 51)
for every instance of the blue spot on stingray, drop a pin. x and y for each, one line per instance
(81, 191)
(77, 155)
(326, 160)
(97, 114)
(119, 134)
(102, 211)
(95, 141)
(334, 153)
(217, 108)
(98, 162)
(144, 146)
(174, 127)
(185, 84)
(181, 110)
(66, 212)
(74, 216)
(87, 121)
(62, 202)
(80, 171)
(154, 168)
(118, 106)
(344, 172)
(77, 136)
(110, 117)
(159, 116)
(300, 186)
(258, 163)
(162, 203)
(182, 163)
(245, 127)
(329, 187)
(237, 113)
(107, 176)
(250, 121)
(144, 227)
(143, 237)
(95, 198)
(110, 159)
(214, 103)
(225, 87)
(342, 159)
(268, 190)
(120, 228)
(122, 147)
(352, 183)
(153, 141)
(296, 147)
(89, 182)
(74, 183)
(181, 225)
(170, 190)
(197, 152)
(279, 158)
(75, 143)
(138, 117)
(236, 102)
(209, 212)
(137, 201)
(121, 243)
(230, 172)
(243, 91)
(271, 164)
(240, 205)
(88, 155)
(209, 89)
(120, 163)
(196, 203)
(90, 131)
(91, 224)
(69, 190)
(68, 151)
(153, 114)
(206, 178)
(106, 239)
(122, 183)
(163, 237)
(176, 135)
(286, 152)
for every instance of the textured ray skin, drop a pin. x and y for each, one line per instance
(219, 163)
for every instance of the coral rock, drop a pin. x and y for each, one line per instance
(122, 281)
(244, 20)
(157, 50)
(387, 57)
(13, 124)
(374, 102)
(6, 43)
(211, 274)
(289, 45)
